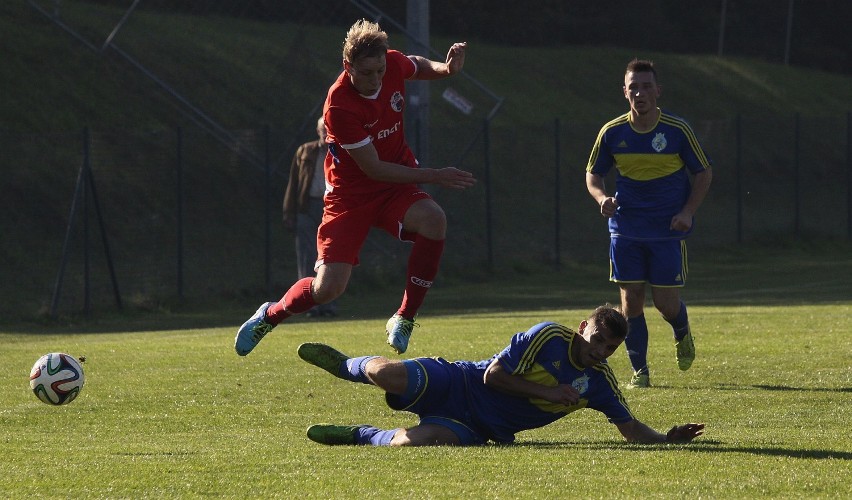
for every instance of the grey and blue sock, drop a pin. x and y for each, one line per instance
(374, 436)
(680, 324)
(637, 343)
(353, 369)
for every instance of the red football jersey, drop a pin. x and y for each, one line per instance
(353, 121)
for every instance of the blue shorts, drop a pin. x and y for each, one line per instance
(436, 393)
(660, 262)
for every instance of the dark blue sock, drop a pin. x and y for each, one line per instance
(353, 369)
(637, 343)
(680, 325)
(374, 436)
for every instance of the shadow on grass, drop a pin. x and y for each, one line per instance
(702, 446)
(737, 387)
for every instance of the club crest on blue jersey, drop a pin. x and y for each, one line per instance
(397, 101)
(581, 384)
(659, 143)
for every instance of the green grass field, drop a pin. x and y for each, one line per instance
(170, 411)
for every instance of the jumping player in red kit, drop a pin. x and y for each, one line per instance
(372, 180)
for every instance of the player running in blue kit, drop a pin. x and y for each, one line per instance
(651, 213)
(544, 374)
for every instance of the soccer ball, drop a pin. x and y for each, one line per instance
(57, 378)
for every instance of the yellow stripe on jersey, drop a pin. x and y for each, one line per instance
(610, 378)
(547, 406)
(543, 336)
(597, 148)
(689, 134)
(645, 167)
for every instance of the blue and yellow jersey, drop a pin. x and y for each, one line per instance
(651, 182)
(541, 355)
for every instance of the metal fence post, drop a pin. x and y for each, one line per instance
(267, 270)
(488, 212)
(796, 180)
(849, 175)
(87, 172)
(557, 183)
(179, 208)
(739, 176)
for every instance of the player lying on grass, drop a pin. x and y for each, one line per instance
(543, 374)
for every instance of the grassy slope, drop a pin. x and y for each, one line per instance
(242, 74)
(58, 85)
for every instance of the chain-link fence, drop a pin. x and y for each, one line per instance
(184, 216)
(195, 211)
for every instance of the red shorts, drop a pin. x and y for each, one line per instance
(346, 221)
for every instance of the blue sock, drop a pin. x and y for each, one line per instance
(374, 436)
(680, 325)
(637, 343)
(353, 369)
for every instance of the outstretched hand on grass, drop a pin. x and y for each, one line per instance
(684, 433)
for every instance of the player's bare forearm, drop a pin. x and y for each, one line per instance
(428, 69)
(449, 177)
(595, 186)
(597, 189)
(700, 188)
(637, 432)
(682, 221)
(453, 178)
(497, 378)
(368, 161)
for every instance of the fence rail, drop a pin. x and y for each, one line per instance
(183, 216)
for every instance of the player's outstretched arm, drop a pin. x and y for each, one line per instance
(368, 160)
(453, 178)
(637, 432)
(428, 69)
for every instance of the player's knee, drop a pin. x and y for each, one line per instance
(390, 375)
(435, 226)
(668, 304)
(668, 311)
(327, 290)
(425, 435)
(401, 439)
(436, 214)
(428, 220)
(632, 301)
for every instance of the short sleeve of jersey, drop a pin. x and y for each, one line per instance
(344, 117)
(601, 159)
(524, 347)
(692, 153)
(549, 342)
(608, 399)
(407, 67)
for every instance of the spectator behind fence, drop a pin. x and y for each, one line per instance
(303, 208)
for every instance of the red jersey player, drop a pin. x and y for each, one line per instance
(372, 180)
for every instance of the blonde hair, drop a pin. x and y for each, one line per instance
(364, 39)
